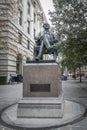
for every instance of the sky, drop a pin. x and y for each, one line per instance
(47, 5)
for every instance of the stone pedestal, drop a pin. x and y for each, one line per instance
(41, 90)
(40, 108)
(41, 80)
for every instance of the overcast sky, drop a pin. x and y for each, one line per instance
(47, 5)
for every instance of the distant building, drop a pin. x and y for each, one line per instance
(20, 21)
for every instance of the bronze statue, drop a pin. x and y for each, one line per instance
(45, 43)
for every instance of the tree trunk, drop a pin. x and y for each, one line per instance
(80, 74)
(74, 70)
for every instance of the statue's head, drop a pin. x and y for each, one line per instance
(46, 26)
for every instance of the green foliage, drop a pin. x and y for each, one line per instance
(69, 17)
(70, 22)
(73, 54)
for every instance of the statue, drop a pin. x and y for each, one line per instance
(45, 43)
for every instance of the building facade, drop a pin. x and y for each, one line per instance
(20, 21)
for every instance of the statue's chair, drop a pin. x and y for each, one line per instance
(53, 50)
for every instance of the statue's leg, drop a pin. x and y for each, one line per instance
(55, 54)
(40, 53)
(46, 42)
(35, 53)
(41, 57)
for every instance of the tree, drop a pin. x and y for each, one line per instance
(69, 17)
(73, 56)
(70, 22)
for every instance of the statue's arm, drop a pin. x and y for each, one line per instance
(39, 37)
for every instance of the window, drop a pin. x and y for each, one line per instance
(20, 17)
(28, 45)
(34, 17)
(28, 10)
(28, 28)
(34, 33)
(19, 38)
(28, 59)
(19, 64)
(34, 4)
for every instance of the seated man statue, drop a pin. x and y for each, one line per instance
(45, 43)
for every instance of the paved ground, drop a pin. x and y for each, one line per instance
(75, 91)
(9, 94)
(72, 90)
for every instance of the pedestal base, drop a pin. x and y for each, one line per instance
(72, 112)
(40, 108)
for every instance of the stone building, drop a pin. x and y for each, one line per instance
(20, 21)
